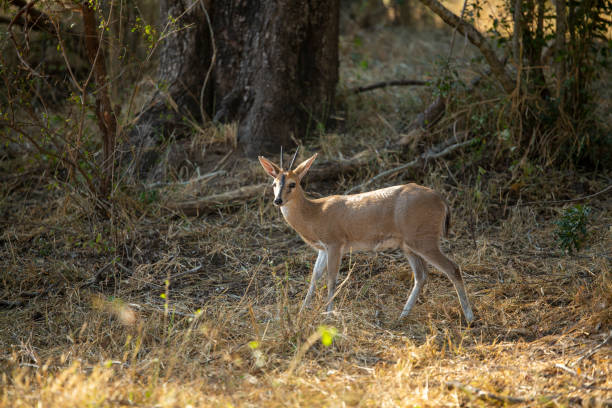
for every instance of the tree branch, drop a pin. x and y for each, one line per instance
(476, 38)
(36, 19)
(107, 121)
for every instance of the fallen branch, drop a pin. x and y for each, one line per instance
(205, 204)
(322, 172)
(384, 84)
(431, 154)
(431, 115)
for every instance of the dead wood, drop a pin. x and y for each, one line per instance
(97, 278)
(324, 171)
(384, 84)
(207, 204)
(32, 296)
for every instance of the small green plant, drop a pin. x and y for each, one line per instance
(572, 228)
(327, 334)
(148, 197)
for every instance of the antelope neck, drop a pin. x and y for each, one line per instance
(299, 209)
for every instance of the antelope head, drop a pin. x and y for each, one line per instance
(286, 182)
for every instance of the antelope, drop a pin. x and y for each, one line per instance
(410, 217)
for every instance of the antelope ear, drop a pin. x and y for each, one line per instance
(302, 169)
(272, 169)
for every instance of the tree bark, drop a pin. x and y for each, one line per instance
(559, 62)
(107, 121)
(184, 58)
(275, 70)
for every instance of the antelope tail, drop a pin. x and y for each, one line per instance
(447, 221)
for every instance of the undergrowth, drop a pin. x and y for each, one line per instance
(152, 308)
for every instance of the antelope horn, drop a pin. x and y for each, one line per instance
(294, 156)
(281, 159)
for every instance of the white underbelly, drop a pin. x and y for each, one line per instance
(388, 243)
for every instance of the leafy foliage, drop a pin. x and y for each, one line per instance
(572, 228)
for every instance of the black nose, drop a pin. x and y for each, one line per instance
(278, 201)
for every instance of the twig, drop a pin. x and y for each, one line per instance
(573, 372)
(97, 277)
(212, 60)
(571, 200)
(180, 274)
(223, 160)
(25, 9)
(9, 304)
(34, 18)
(452, 44)
(431, 154)
(484, 395)
(593, 350)
(384, 84)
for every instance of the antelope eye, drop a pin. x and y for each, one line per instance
(291, 185)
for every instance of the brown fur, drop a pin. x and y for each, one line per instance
(410, 217)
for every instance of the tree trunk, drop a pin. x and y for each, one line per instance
(275, 71)
(184, 58)
(107, 121)
(277, 68)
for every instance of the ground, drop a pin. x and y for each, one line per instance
(153, 308)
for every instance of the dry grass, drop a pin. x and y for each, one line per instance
(179, 303)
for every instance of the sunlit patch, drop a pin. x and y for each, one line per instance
(116, 307)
